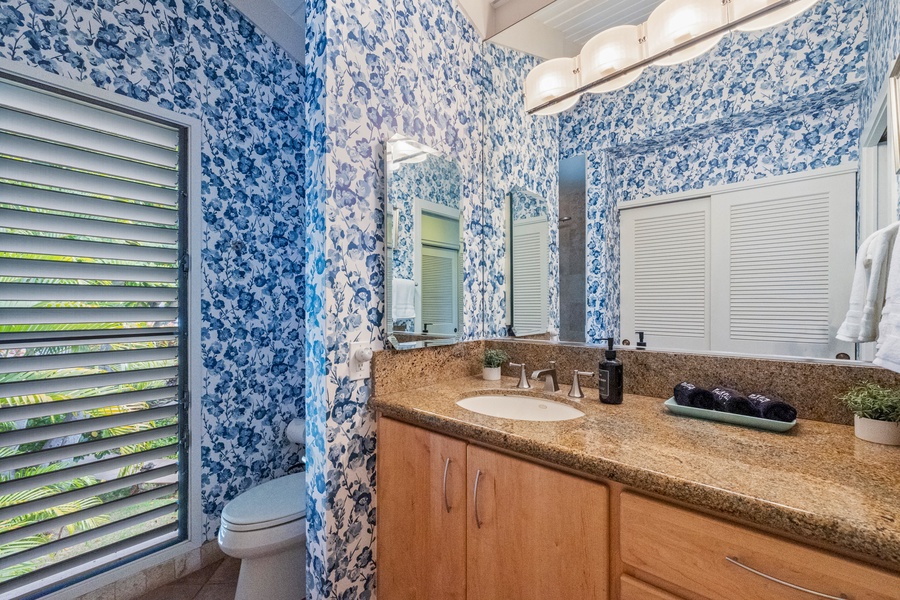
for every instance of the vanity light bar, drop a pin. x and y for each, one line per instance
(693, 41)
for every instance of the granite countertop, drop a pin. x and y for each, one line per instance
(817, 481)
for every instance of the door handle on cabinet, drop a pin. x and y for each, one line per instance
(735, 561)
(446, 500)
(475, 498)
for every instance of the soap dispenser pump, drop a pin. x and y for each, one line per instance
(611, 384)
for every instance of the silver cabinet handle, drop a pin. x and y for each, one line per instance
(446, 501)
(735, 561)
(475, 499)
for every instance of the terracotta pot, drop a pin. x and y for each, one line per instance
(880, 432)
(491, 374)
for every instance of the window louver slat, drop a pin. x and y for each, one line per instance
(126, 460)
(89, 513)
(27, 124)
(96, 207)
(47, 269)
(40, 221)
(34, 244)
(92, 357)
(81, 184)
(62, 453)
(11, 560)
(42, 151)
(58, 407)
(112, 485)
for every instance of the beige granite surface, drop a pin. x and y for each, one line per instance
(813, 388)
(817, 481)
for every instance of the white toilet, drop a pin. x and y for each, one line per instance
(266, 528)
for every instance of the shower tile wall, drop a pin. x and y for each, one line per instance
(572, 238)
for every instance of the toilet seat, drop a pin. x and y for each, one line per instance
(267, 505)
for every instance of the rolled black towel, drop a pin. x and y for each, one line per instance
(772, 407)
(688, 394)
(729, 400)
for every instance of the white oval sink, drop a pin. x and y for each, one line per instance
(520, 408)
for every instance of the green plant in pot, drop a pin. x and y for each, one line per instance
(493, 359)
(877, 412)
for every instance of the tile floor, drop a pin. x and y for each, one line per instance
(216, 581)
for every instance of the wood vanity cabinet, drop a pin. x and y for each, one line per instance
(537, 533)
(534, 533)
(421, 513)
(701, 556)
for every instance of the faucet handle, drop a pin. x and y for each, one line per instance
(576, 392)
(523, 377)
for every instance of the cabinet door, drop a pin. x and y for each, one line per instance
(534, 533)
(421, 553)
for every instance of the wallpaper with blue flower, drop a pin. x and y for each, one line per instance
(202, 58)
(760, 104)
(373, 69)
(884, 50)
(521, 152)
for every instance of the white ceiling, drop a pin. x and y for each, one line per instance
(580, 20)
(562, 27)
(282, 20)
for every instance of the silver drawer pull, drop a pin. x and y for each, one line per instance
(735, 561)
(446, 501)
(475, 499)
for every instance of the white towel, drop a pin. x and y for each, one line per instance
(403, 299)
(867, 295)
(888, 351)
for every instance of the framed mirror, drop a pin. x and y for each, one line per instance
(423, 245)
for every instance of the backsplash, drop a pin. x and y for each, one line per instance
(813, 388)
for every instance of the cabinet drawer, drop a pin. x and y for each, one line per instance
(632, 589)
(693, 551)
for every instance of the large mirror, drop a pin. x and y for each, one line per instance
(710, 203)
(424, 245)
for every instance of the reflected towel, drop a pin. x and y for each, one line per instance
(867, 296)
(888, 352)
(688, 394)
(772, 407)
(729, 400)
(403, 299)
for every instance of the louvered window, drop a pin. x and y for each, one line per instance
(762, 270)
(92, 356)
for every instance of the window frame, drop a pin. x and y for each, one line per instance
(190, 236)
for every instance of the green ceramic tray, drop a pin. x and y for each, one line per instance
(724, 417)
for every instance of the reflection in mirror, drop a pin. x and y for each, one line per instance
(717, 217)
(527, 263)
(423, 266)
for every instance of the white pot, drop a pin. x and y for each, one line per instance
(880, 432)
(491, 374)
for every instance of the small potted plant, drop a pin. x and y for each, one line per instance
(492, 361)
(877, 411)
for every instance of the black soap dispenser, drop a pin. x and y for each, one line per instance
(611, 384)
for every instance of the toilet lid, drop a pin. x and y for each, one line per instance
(271, 503)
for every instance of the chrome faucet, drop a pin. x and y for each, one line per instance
(550, 381)
(523, 377)
(576, 392)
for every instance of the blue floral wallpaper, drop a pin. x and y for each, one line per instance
(884, 50)
(202, 58)
(521, 152)
(759, 104)
(373, 69)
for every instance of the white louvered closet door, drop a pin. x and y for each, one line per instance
(665, 274)
(784, 258)
(530, 277)
(440, 289)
